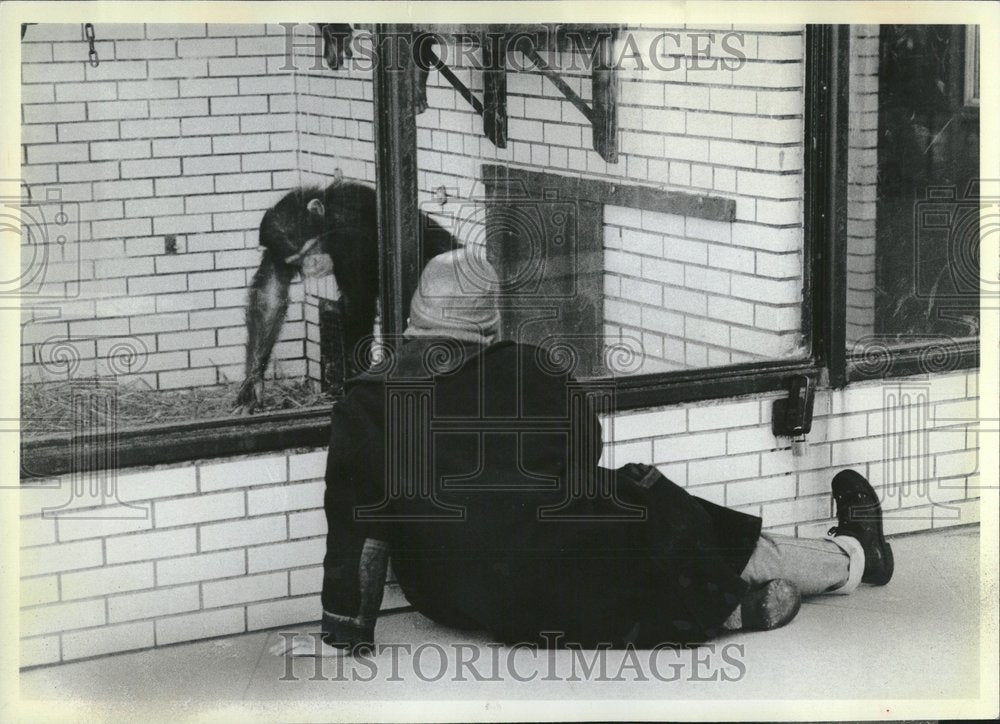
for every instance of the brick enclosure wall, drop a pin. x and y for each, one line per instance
(226, 546)
(335, 138)
(335, 113)
(187, 130)
(862, 177)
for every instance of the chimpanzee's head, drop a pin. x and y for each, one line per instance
(314, 230)
(291, 230)
(351, 212)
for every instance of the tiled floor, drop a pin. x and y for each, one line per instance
(916, 638)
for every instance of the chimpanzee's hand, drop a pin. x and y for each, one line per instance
(336, 43)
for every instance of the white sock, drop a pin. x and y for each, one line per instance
(855, 567)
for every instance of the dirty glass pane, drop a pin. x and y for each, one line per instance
(147, 168)
(679, 248)
(913, 187)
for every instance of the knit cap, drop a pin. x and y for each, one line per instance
(456, 297)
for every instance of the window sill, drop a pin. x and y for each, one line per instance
(173, 443)
(52, 455)
(935, 358)
(709, 384)
(162, 444)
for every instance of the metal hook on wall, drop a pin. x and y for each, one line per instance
(88, 33)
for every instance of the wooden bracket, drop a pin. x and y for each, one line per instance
(494, 92)
(603, 113)
(493, 108)
(613, 193)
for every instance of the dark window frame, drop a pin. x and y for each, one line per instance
(824, 290)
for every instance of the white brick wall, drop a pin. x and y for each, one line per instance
(248, 556)
(105, 587)
(862, 170)
(190, 133)
(335, 137)
(731, 442)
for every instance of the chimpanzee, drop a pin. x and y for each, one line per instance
(311, 231)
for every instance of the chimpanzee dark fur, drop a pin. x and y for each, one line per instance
(344, 219)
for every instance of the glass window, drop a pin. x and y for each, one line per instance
(913, 190)
(681, 249)
(147, 176)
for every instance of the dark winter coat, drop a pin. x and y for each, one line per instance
(489, 536)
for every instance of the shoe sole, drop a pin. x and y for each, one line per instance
(771, 606)
(889, 562)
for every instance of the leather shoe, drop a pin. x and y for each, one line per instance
(859, 515)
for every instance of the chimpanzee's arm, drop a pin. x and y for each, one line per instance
(268, 303)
